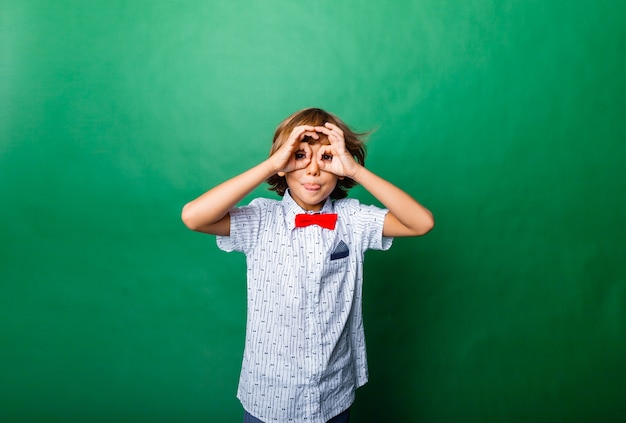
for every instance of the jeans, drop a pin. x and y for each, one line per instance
(341, 418)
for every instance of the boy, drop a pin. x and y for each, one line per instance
(305, 348)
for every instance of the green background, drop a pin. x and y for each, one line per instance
(506, 118)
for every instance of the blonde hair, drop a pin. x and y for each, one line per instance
(355, 144)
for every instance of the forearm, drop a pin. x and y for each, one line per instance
(408, 217)
(213, 205)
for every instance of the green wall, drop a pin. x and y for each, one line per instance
(506, 118)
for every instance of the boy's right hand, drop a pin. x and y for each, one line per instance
(294, 154)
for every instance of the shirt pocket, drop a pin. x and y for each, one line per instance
(340, 251)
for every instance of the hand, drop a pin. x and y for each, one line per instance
(284, 159)
(335, 158)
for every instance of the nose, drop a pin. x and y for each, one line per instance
(313, 168)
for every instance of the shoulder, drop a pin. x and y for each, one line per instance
(352, 206)
(257, 207)
(346, 204)
(361, 214)
(263, 202)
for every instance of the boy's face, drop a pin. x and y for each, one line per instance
(311, 186)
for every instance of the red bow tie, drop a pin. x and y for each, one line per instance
(326, 220)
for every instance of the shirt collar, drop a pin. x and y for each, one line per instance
(291, 209)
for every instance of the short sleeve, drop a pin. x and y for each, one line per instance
(372, 221)
(368, 222)
(245, 224)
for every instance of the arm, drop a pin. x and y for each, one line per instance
(406, 216)
(209, 212)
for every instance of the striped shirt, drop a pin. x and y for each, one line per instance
(305, 346)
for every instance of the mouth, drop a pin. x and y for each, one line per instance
(312, 187)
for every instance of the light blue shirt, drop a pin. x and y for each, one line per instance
(305, 346)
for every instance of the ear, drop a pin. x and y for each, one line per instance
(340, 178)
(281, 174)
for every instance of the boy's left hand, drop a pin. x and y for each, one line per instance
(341, 162)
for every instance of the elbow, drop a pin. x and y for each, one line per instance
(420, 224)
(430, 226)
(427, 225)
(187, 217)
(196, 219)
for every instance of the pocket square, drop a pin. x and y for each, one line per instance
(340, 251)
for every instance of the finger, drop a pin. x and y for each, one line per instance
(305, 127)
(323, 130)
(333, 127)
(306, 148)
(331, 130)
(323, 154)
(313, 134)
(336, 141)
(298, 132)
(321, 163)
(302, 162)
(324, 149)
(330, 135)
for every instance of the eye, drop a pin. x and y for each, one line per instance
(300, 155)
(327, 157)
